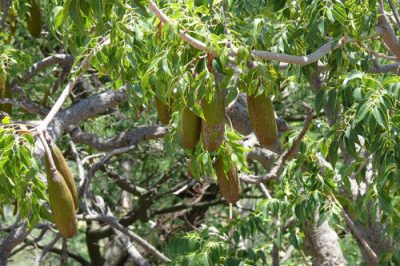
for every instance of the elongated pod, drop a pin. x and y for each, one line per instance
(189, 128)
(262, 118)
(5, 92)
(61, 203)
(163, 111)
(213, 127)
(228, 181)
(63, 168)
(34, 18)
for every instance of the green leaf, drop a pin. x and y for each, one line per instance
(362, 112)
(353, 75)
(378, 117)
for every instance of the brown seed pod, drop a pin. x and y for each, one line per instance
(63, 168)
(61, 203)
(228, 182)
(163, 111)
(34, 18)
(189, 128)
(5, 92)
(213, 127)
(262, 118)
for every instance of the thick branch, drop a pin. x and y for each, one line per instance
(134, 136)
(85, 109)
(17, 235)
(385, 30)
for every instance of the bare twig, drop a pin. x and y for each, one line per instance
(84, 189)
(64, 253)
(395, 13)
(358, 234)
(64, 72)
(45, 250)
(81, 170)
(138, 259)
(58, 251)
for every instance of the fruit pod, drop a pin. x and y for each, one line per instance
(189, 128)
(34, 18)
(228, 182)
(61, 203)
(5, 92)
(213, 127)
(163, 111)
(63, 168)
(262, 118)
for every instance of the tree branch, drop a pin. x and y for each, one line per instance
(395, 13)
(275, 171)
(60, 59)
(17, 235)
(116, 225)
(133, 136)
(385, 30)
(67, 90)
(265, 55)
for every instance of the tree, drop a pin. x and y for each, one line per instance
(293, 106)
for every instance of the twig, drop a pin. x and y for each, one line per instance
(134, 237)
(45, 250)
(358, 234)
(62, 59)
(265, 191)
(138, 259)
(64, 72)
(64, 253)
(85, 186)
(291, 59)
(81, 170)
(275, 171)
(186, 37)
(27, 105)
(395, 13)
(67, 90)
(58, 251)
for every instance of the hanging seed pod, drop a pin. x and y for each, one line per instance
(34, 18)
(61, 202)
(228, 182)
(189, 128)
(262, 118)
(163, 111)
(63, 168)
(5, 92)
(213, 127)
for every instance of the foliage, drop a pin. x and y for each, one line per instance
(354, 139)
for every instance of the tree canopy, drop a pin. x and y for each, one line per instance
(200, 132)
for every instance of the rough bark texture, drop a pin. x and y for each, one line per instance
(17, 235)
(322, 243)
